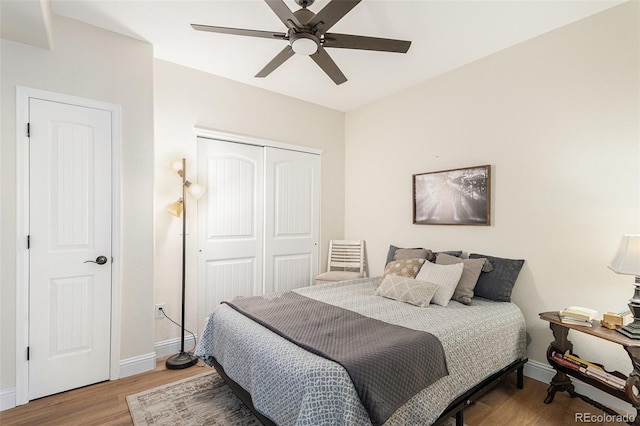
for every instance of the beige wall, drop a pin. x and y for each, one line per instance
(557, 117)
(185, 98)
(96, 64)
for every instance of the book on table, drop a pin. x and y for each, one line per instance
(589, 369)
(577, 315)
(572, 321)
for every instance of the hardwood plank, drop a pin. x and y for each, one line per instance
(100, 404)
(507, 405)
(105, 403)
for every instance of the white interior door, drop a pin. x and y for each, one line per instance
(70, 227)
(230, 221)
(292, 219)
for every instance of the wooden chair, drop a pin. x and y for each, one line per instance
(346, 261)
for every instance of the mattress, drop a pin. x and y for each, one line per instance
(294, 387)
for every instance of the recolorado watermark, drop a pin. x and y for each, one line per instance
(603, 418)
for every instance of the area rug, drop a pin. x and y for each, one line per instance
(199, 400)
(204, 399)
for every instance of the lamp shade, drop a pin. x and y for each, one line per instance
(175, 208)
(627, 259)
(195, 190)
(176, 165)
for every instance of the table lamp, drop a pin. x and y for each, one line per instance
(627, 262)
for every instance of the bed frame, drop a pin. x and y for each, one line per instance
(454, 409)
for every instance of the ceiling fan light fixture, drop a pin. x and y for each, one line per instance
(304, 44)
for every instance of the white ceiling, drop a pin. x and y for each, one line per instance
(445, 34)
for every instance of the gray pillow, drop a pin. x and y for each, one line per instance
(408, 290)
(432, 258)
(402, 254)
(498, 284)
(456, 253)
(392, 253)
(469, 278)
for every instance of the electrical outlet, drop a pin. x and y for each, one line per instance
(159, 309)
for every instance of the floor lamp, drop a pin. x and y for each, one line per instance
(178, 208)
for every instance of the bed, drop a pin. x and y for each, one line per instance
(290, 386)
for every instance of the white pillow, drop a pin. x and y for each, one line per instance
(405, 289)
(446, 277)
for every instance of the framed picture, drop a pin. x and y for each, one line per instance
(453, 197)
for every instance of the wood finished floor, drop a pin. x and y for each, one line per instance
(105, 404)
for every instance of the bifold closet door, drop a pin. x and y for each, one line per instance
(292, 222)
(258, 223)
(230, 222)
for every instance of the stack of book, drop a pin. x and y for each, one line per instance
(577, 315)
(589, 369)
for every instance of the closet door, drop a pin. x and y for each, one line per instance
(292, 218)
(230, 222)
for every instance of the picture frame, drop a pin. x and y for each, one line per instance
(453, 197)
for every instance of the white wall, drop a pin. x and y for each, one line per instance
(100, 65)
(557, 117)
(185, 98)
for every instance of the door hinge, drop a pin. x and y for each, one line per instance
(28, 130)
(28, 242)
(28, 353)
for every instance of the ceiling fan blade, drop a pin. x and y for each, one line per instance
(239, 31)
(284, 13)
(332, 13)
(322, 58)
(348, 41)
(280, 59)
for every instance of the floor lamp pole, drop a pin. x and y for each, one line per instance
(183, 359)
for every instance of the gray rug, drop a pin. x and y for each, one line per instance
(199, 400)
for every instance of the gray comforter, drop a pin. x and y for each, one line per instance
(369, 349)
(295, 387)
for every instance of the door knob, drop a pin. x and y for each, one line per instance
(100, 260)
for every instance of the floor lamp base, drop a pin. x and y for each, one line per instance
(180, 361)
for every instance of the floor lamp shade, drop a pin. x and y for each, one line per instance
(178, 208)
(175, 208)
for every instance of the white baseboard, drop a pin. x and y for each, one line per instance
(544, 373)
(7, 398)
(137, 365)
(172, 346)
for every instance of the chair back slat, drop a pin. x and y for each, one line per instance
(346, 255)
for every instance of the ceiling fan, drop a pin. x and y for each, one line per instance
(307, 35)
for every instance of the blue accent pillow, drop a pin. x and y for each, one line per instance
(498, 284)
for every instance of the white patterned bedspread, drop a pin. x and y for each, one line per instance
(294, 387)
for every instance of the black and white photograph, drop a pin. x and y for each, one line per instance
(453, 197)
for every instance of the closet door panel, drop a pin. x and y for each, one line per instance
(292, 205)
(230, 221)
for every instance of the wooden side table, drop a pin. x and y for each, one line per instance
(562, 382)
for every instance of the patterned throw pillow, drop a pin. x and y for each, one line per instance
(446, 277)
(404, 268)
(407, 290)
